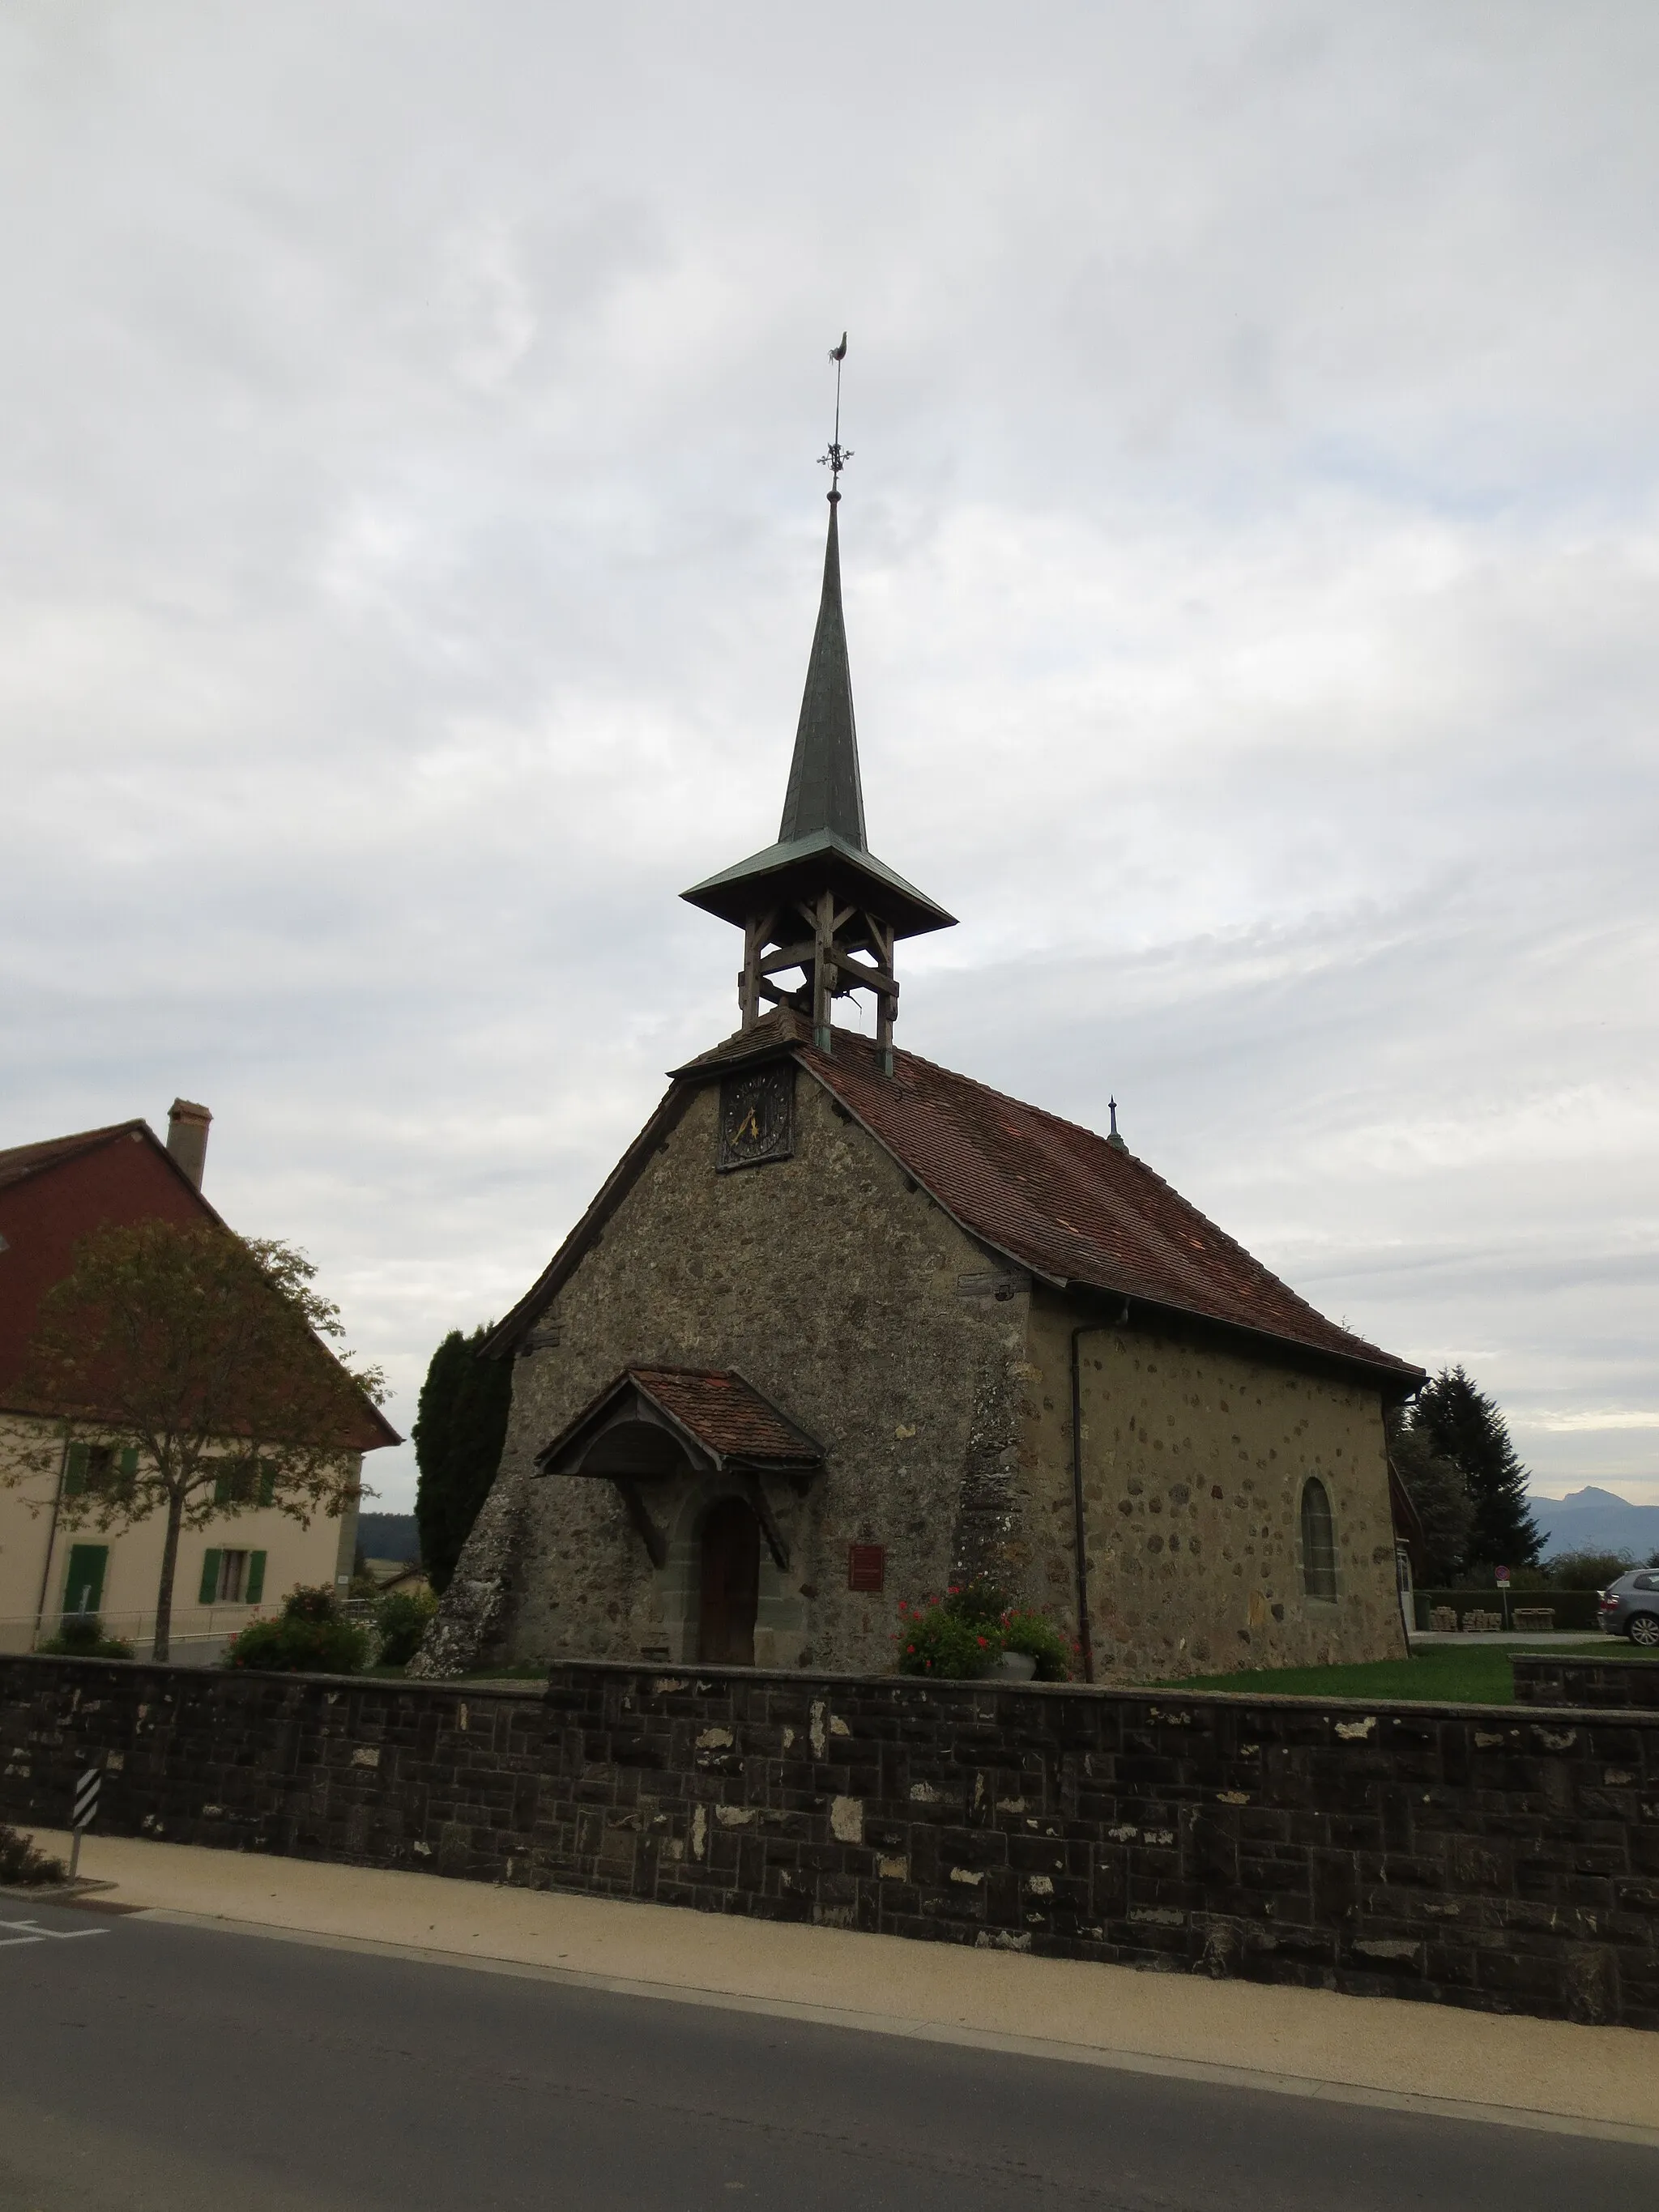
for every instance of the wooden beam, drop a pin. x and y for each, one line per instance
(646, 1528)
(823, 968)
(869, 979)
(764, 1515)
(792, 956)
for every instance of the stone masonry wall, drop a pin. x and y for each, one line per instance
(841, 1290)
(1542, 1679)
(1194, 1461)
(1503, 1859)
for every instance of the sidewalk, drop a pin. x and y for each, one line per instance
(1529, 2073)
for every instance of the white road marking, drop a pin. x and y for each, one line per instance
(30, 1931)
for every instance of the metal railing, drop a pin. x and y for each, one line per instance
(194, 1625)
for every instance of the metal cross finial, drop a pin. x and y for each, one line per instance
(838, 455)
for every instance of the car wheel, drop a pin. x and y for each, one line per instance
(1643, 1629)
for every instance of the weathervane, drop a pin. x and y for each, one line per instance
(838, 455)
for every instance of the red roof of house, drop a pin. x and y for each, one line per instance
(55, 1193)
(1056, 1199)
(726, 1414)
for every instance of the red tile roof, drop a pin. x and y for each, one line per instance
(727, 1415)
(721, 1413)
(1065, 1202)
(24, 1160)
(1054, 1198)
(54, 1193)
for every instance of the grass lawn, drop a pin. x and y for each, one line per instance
(1475, 1674)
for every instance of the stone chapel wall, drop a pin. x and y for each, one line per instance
(1195, 1458)
(836, 1286)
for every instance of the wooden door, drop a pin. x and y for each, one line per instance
(730, 1585)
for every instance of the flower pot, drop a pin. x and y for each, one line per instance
(1014, 1667)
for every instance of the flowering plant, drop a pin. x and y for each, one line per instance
(961, 1636)
(934, 1640)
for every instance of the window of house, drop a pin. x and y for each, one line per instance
(246, 1482)
(232, 1577)
(93, 1467)
(83, 1585)
(1318, 1542)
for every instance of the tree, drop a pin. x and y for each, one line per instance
(1438, 1489)
(459, 1429)
(196, 1360)
(1461, 1423)
(1588, 1570)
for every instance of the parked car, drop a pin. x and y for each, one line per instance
(1630, 1606)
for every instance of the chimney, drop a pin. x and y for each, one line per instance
(188, 1136)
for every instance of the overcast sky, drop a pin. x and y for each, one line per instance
(408, 547)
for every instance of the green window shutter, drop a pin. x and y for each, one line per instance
(75, 1471)
(267, 1489)
(222, 1491)
(210, 1590)
(129, 1467)
(83, 1590)
(256, 1577)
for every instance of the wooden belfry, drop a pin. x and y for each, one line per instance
(818, 901)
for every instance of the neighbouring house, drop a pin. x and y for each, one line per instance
(398, 1577)
(843, 1328)
(53, 1195)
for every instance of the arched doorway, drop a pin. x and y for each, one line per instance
(730, 1587)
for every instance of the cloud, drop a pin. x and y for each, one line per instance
(411, 554)
(1594, 1421)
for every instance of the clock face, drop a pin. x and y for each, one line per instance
(756, 1116)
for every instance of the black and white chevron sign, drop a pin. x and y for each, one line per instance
(85, 1798)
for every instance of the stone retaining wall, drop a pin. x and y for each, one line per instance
(1504, 1860)
(1540, 1678)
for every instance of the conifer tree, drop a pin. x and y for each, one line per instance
(1462, 1424)
(459, 1429)
(1440, 1492)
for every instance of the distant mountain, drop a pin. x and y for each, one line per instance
(1591, 1520)
(388, 1536)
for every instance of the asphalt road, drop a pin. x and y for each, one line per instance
(149, 2068)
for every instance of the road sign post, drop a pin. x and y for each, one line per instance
(85, 1813)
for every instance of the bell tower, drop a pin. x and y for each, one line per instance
(819, 913)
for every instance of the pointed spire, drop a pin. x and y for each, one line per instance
(818, 903)
(825, 791)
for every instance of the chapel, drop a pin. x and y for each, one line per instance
(843, 1326)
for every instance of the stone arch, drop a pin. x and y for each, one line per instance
(728, 1583)
(780, 1610)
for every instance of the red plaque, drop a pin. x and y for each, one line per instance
(866, 1566)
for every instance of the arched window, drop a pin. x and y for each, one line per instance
(1318, 1542)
